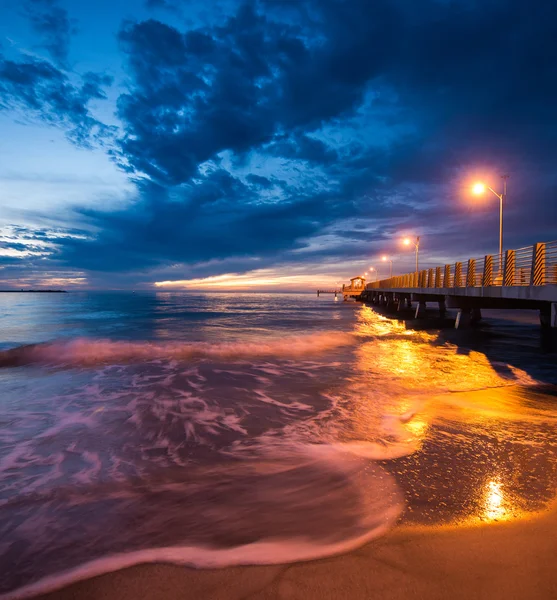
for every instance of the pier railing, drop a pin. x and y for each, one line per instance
(531, 266)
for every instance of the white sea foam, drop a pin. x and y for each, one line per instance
(83, 351)
(259, 553)
(303, 503)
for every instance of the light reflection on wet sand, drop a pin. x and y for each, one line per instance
(495, 501)
(482, 430)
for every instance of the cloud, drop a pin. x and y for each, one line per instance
(27, 258)
(304, 131)
(303, 147)
(194, 95)
(258, 180)
(38, 88)
(161, 5)
(215, 217)
(53, 24)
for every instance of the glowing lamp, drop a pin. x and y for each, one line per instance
(478, 188)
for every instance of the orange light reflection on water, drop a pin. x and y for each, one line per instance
(429, 388)
(396, 357)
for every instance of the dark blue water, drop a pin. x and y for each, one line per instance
(219, 429)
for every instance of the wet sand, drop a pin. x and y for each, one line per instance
(510, 560)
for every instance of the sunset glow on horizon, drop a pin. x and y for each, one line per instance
(255, 279)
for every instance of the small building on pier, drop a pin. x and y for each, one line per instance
(356, 287)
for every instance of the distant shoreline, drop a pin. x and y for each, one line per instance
(33, 292)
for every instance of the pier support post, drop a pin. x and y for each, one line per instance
(408, 302)
(548, 316)
(467, 316)
(462, 318)
(476, 316)
(420, 309)
(392, 303)
(442, 308)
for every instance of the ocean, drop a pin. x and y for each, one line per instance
(222, 429)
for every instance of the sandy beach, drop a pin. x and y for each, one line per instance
(514, 559)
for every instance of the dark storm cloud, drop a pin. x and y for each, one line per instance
(198, 93)
(463, 73)
(467, 84)
(214, 218)
(303, 147)
(259, 181)
(458, 75)
(162, 5)
(38, 88)
(53, 25)
(241, 85)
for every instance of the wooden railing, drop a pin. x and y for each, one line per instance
(534, 265)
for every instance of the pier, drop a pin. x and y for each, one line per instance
(335, 292)
(525, 278)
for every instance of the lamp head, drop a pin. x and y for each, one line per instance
(406, 241)
(478, 188)
(383, 258)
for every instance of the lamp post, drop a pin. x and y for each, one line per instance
(408, 241)
(376, 273)
(478, 189)
(385, 259)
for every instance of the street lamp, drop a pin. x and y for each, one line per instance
(408, 242)
(479, 188)
(385, 259)
(376, 273)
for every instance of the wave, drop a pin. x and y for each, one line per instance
(259, 553)
(300, 504)
(83, 351)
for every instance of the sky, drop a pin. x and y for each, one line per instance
(269, 144)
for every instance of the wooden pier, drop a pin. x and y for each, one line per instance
(335, 292)
(526, 279)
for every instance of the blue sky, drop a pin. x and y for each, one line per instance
(226, 144)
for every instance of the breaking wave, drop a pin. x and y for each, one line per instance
(84, 351)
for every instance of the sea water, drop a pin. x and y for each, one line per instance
(223, 429)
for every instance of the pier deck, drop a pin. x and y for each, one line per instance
(523, 278)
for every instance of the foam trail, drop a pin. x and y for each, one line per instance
(260, 553)
(83, 351)
(377, 451)
(304, 503)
